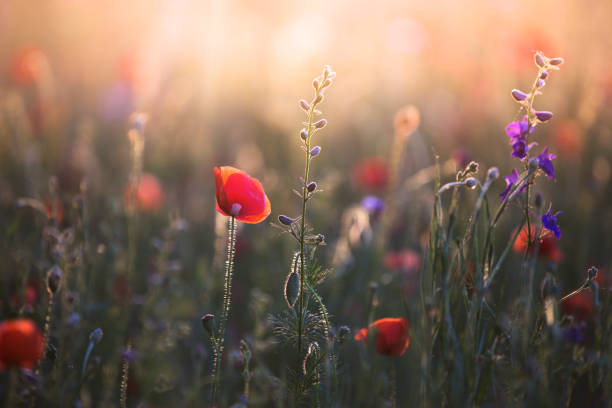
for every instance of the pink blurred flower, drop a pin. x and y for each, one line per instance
(371, 174)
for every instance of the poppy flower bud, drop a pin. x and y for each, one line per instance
(533, 164)
(303, 134)
(312, 186)
(292, 288)
(96, 336)
(556, 61)
(209, 323)
(283, 219)
(54, 278)
(470, 182)
(539, 60)
(543, 116)
(320, 124)
(519, 95)
(315, 151)
(304, 105)
(493, 173)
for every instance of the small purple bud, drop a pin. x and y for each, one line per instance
(315, 151)
(470, 182)
(304, 105)
(556, 61)
(519, 95)
(303, 134)
(544, 75)
(318, 99)
(543, 116)
(541, 83)
(493, 173)
(539, 60)
(320, 124)
(54, 278)
(96, 335)
(312, 186)
(283, 219)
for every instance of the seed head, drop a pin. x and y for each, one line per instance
(470, 182)
(209, 323)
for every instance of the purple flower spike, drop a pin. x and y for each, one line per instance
(519, 95)
(550, 222)
(543, 116)
(545, 163)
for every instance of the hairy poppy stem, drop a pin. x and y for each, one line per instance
(227, 298)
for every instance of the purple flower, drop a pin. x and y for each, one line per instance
(550, 222)
(543, 116)
(510, 182)
(545, 163)
(518, 132)
(574, 334)
(373, 204)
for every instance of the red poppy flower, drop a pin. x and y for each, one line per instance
(392, 337)
(371, 174)
(406, 260)
(21, 343)
(149, 195)
(548, 246)
(240, 195)
(580, 306)
(569, 138)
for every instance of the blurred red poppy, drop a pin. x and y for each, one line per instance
(392, 337)
(548, 245)
(240, 195)
(569, 138)
(21, 343)
(406, 260)
(28, 65)
(579, 306)
(371, 174)
(149, 196)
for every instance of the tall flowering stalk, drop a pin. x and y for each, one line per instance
(240, 197)
(304, 274)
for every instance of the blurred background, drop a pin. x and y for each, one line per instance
(220, 81)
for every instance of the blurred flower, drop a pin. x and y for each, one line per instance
(240, 195)
(392, 336)
(461, 157)
(371, 174)
(28, 66)
(373, 204)
(548, 246)
(406, 120)
(149, 196)
(580, 306)
(545, 163)
(54, 209)
(406, 260)
(575, 333)
(550, 222)
(117, 102)
(518, 132)
(21, 343)
(568, 137)
(31, 293)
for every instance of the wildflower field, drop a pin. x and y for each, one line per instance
(285, 204)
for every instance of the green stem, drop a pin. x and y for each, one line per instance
(227, 299)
